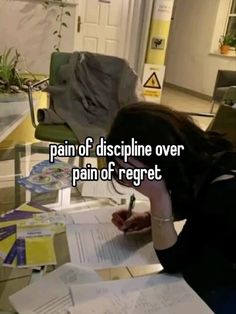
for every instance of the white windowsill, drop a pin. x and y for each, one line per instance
(231, 54)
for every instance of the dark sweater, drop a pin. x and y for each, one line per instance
(205, 251)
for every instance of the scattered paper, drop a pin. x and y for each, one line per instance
(160, 294)
(51, 293)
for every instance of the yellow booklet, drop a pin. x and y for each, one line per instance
(35, 246)
(26, 235)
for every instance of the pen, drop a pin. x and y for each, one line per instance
(131, 205)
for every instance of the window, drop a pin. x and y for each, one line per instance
(225, 24)
(231, 20)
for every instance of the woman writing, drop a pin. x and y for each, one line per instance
(199, 186)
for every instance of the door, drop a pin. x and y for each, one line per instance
(102, 26)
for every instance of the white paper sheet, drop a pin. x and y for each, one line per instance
(51, 295)
(97, 215)
(162, 294)
(101, 245)
(106, 189)
(104, 214)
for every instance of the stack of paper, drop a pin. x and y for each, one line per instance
(95, 242)
(101, 245)
(160, 294)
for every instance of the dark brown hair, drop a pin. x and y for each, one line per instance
(153, 124)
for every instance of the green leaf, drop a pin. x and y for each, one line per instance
(64, 24)
(12, 60)
(55, 32)
(6, 55)
(67, 13)
(8, 52)
(59, 36)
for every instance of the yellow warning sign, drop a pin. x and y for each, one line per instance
(152, 82)
(152, 93)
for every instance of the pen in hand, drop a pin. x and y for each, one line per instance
(131, 206)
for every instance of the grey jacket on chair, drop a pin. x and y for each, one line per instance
(89, 91)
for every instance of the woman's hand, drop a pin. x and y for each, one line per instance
(136, 222)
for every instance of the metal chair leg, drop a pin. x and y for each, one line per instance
(18, 152)
(101, 162)
(212, 106)
(28, 153)
(71, 160)
(81, 162)
(21, 150)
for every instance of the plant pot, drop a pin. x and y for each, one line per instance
(4, 97)
(13, 104)
(224, 49)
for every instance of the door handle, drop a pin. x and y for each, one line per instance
(78, 23)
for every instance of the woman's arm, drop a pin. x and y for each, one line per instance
(169, 248)
(164, 234)
(174, 257)
(212, 225)
(173, 251)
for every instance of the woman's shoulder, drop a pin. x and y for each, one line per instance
(219, 196)
(223, 173)
(228, 160)
(224, 165)
(219, 189)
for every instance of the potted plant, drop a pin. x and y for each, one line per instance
(13, 84)
(233, 42)
(226, 42)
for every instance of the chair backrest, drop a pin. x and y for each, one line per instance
(57, 59)
(224, 78)
(225, 122)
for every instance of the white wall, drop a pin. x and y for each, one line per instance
(26, 26)
(188, 61)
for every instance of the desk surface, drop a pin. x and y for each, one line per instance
(14, 279)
